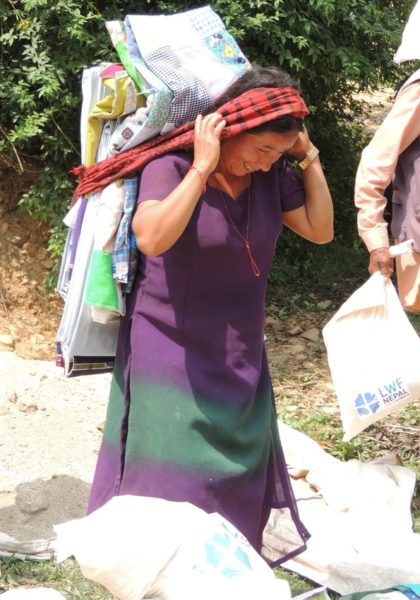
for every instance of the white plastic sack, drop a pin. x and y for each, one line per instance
(140, 547)
(373, 355)
(409, 48)
(359, 517)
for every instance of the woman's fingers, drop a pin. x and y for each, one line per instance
(198, 122)
(219, 127)
(211, 121)
(207, 141)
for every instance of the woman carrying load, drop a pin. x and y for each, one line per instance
(191, 414)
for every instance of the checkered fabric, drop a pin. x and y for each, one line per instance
(251, 109)
(124, 251)
(190, 94)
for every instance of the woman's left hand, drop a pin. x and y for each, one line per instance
(302, 145)
(313, 220)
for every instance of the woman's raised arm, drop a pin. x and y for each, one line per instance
(315, 220)
(158, 224)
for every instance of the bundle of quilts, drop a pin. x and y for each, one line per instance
(172, 68)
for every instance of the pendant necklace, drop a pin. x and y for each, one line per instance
(245, 239)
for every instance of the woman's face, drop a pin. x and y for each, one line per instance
(248, 152)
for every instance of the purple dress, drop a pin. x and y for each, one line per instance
(191, 415)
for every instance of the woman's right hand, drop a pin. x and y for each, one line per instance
(207, 130)
(381, 260)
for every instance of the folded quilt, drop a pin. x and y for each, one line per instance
(193, 54)
(152, 117)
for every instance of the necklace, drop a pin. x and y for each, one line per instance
(245, 238)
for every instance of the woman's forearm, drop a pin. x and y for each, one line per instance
(158, 224)
(319, 206)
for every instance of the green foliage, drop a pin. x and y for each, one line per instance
(335, 48)
(50, 197)
(298, 584)
(66, 578)
(415, 321)
(47, 201)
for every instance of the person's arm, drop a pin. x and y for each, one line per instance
(315, 219)
(158, 224)
(376, 168)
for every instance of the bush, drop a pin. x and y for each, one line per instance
(335, 48)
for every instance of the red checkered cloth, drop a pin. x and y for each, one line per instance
(251, 109)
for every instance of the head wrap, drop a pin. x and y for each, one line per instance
(247, 111)
(410, 44)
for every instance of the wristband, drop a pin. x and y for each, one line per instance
(203, 179)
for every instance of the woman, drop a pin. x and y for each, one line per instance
(191, 414)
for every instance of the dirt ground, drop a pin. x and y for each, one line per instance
(49, 436)
(28, 316)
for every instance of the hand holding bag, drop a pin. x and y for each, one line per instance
(373, 355)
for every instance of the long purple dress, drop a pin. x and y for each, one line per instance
(191, 414)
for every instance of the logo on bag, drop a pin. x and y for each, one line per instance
(369, 403)
(366, 404)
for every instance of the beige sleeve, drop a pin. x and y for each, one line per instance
(378, 162)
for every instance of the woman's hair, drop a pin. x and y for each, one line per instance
(259, 77)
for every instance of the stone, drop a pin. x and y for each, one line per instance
(6, 342)
(330, 410)
(295, 349)
(48, 263)
(27, 407)
(324, 304)
(311, 334)
(36, 339)
(295, 330)
(13, 398)
(279, 360)
(295, 341)
(308, 365)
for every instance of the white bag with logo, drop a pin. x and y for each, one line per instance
(373, 355)
(140, 547)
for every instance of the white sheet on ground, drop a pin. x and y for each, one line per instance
(358, 515)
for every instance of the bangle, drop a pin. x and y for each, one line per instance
(312, 154)
(203, 180)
